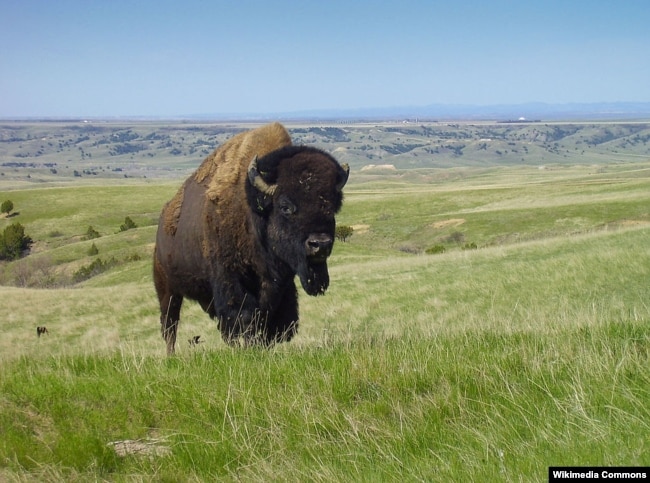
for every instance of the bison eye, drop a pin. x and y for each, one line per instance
(287, 208)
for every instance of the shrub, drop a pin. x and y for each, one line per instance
(409, 248)
(37, 272)
(435, 249)
(95, 268)
(13, 242)
(128, 224)
(456, 237)
(6, 206)
(343, 232)
(93, 250)
(470, 246)
(91, 233)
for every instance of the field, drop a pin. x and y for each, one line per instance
(483, 322)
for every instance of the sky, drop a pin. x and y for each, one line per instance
(92, 58)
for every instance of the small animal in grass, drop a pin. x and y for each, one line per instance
(194, 340)
(41, 330)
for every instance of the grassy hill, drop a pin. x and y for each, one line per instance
(64, 152)
(523, 345)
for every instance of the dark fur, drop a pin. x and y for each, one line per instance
(236, 250)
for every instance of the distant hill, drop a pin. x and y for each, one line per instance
(37, 152)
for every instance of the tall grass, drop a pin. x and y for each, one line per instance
(479, 405)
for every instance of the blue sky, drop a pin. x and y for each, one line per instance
(164, 58)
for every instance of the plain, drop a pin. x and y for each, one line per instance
(523, 343)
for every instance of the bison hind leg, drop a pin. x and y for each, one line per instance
(170, 314)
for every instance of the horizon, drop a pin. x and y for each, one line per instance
(72, 59)
(525, 112)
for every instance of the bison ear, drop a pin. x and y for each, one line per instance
(257, 180)
(343, 177)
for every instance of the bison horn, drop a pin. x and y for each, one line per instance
(256, 179)
(346, 170)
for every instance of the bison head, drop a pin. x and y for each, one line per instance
(295, 193)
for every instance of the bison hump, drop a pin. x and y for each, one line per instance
(228, 164)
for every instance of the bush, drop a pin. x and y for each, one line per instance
(435, 249)
(95, 268)
(93, 250)
(470, 246)
(38, 272)
(128, 224)
(343, 232)
(409, 248)
(13, 242)
(6, 206)
(456, 237)
(91, 233)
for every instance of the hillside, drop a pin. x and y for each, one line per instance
(39, 152)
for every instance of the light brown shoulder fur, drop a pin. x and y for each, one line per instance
(228, 164)
(172, 212)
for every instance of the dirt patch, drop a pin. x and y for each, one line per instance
(631, 223)
(383, 167)
(360, 229)
(448, 223)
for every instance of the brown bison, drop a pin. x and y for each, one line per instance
(256, 213)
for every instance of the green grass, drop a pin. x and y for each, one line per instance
(481, 405)
(473, 365)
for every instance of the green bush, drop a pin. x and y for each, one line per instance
(13, 242)
(93, 250)
(435, 249)
(7, 206)
(128, 224)
(95, 268)
(343, 232)
(91, 234)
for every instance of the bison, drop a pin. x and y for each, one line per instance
(257, 212)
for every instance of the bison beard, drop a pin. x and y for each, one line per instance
(256, 213)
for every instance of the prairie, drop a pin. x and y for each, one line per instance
(523, 344)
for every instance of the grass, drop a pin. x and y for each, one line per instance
(472, 365)
(480, 405)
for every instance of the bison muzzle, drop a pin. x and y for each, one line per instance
(256, 213)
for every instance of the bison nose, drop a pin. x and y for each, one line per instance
(319, 245)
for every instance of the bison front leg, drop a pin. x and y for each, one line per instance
(283, 324)
(236, 325)
(170, 314)
(237, 314)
